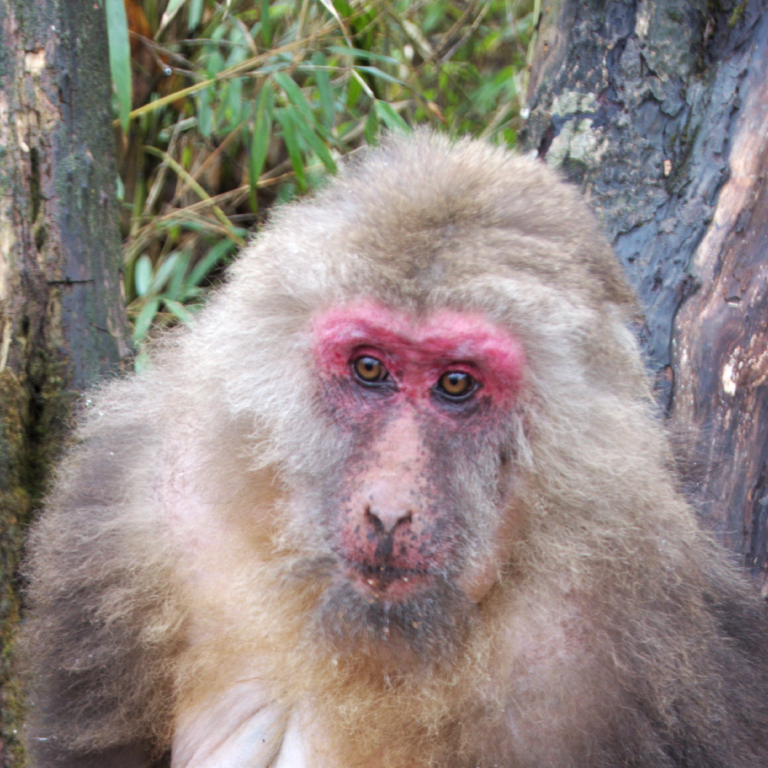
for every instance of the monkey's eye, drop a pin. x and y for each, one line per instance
(456, 384)
(369, 370)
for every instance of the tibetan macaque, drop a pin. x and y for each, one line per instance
(399, 498)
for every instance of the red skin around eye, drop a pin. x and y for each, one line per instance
(417, 351)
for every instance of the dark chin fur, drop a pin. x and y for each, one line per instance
(427, 629)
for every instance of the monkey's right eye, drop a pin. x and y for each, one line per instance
(369, 370)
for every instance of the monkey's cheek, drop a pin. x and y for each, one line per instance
(480, 575)
(475, 583)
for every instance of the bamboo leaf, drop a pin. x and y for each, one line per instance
(324, 90)
(354, 90)
(285, 116)
(390, 118)
(144, 320)
(356, 53)
(163, 272)
(176, 283)
(173, 6)
(194, 14)
(142, 274)
(316, 143)
(266, 26)
(376, 72)
(262, 132)
(204, 113)
(371, 127)
(141, 361)
(295, 96)
(178, 309)
(119, 57)
(208, 262)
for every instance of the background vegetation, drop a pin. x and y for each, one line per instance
(228, 108)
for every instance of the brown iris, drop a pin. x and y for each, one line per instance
(456, 383)
(370, 370)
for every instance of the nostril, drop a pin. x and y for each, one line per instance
(374, 520)
(385, 521)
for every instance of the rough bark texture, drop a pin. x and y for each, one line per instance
(61, 317)
(659, 109)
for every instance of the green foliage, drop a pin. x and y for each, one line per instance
(119, 57)
(241, 105)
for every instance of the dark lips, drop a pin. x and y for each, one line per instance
(384, 582)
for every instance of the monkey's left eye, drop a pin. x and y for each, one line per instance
(369, 370)
(456, 384)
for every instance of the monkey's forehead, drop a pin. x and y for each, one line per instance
(420, 212)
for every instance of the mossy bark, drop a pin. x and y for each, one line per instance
(61, 316)
(659, 110)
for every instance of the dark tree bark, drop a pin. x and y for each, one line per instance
(659, 109)
(62, 323)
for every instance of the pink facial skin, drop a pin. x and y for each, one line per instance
(417, 351)
(394, 529)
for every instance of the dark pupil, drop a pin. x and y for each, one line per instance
(456, 383)
(368, 368)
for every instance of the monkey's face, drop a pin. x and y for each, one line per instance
(418, 515)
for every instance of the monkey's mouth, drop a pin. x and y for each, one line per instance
(386, 582)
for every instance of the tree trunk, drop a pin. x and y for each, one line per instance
(659, 109)
(62, 323)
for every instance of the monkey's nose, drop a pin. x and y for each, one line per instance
(385, 520)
